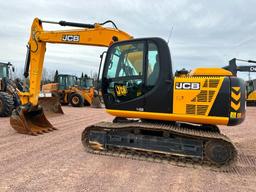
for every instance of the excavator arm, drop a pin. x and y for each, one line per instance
(94, 35)
(29, 117)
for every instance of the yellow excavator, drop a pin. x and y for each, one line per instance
(156, 113)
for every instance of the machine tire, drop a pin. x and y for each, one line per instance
(76, 100)
(6, 104)
(86, 103)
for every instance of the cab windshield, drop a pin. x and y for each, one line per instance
(3, 71)
(66, 81)
(86, 83)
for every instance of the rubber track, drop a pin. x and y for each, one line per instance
(153, 157)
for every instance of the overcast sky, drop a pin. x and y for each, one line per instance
(205, 33)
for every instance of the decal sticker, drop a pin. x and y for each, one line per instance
(71, 38)
(187, 86)
(121, 90)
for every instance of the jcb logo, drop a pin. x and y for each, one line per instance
(70, 38)
(253, 69)
(121, 90)
(188, 86)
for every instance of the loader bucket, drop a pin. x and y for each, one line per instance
(30, 122)
(96, 102)
(51, 105)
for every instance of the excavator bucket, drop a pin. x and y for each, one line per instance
(31, 122)
(51, 105)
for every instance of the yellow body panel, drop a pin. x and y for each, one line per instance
(170, 117)
(193, 99)
(210, 71)
(197, 101)
(252, 96)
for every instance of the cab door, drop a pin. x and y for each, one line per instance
(123, 76)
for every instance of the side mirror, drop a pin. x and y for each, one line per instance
(13, 69)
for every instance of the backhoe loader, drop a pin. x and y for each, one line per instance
(156, 113)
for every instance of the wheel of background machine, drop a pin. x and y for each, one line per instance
(6, 104)
(86, 103)
(76, 100)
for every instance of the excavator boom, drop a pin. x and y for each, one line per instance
(29, 118)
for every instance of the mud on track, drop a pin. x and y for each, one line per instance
(56, 161)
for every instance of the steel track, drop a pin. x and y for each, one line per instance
(174, 159)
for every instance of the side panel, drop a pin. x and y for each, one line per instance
(197, 95)
(238, 101)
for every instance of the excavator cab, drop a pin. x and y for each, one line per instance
(132, 74)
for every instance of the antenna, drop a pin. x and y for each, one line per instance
(170, 34)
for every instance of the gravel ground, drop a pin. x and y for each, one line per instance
(56, 161)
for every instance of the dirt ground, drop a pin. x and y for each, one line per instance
(56, 161)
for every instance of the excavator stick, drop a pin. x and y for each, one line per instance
(51, 105)
(30, 122)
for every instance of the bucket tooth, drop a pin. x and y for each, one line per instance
(31, 122)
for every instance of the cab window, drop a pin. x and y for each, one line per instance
(3, 71)
(124, 75)
(153, 65)
(131, 70)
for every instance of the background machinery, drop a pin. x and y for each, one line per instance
(251, 92)
(71, 90)
(10, 90)
(250, 84)
(8, 96)
(157, 114)
(89, 85)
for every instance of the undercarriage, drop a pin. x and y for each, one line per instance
(163, 141)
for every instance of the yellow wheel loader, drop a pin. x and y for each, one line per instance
(69, 91)
(87, 84)
(156, 113)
